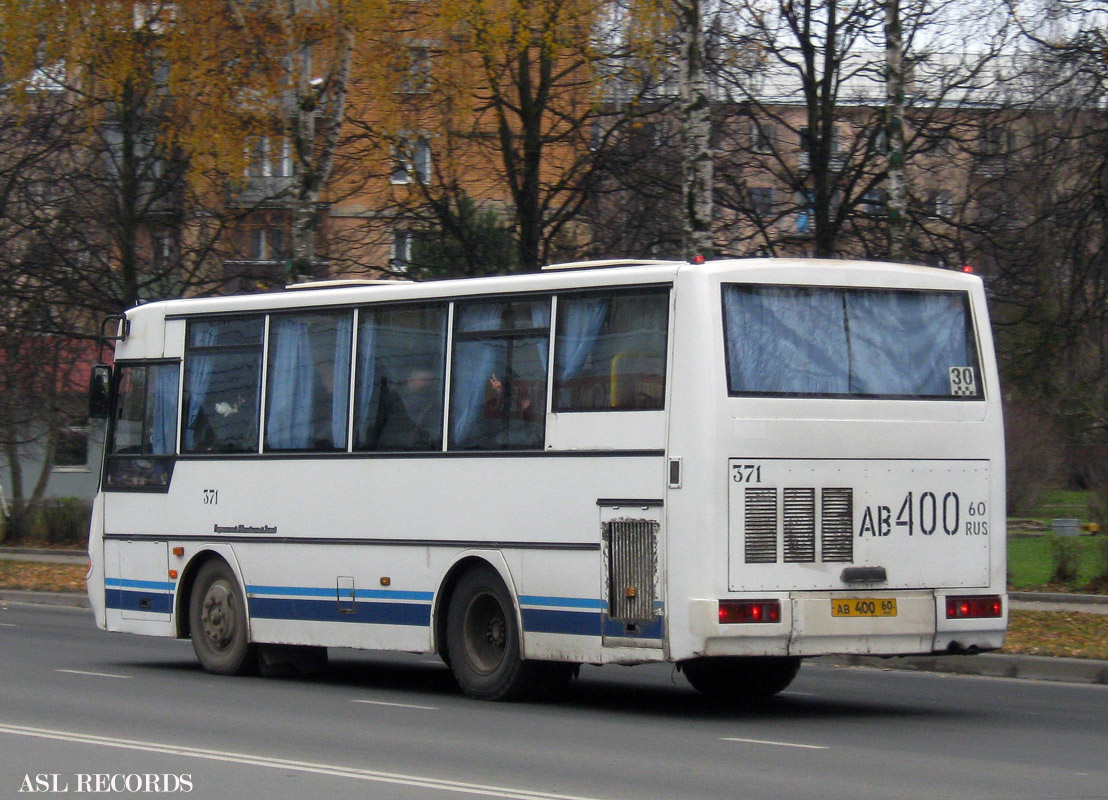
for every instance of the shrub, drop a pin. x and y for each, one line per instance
(1034, 454)
(1065, 558)
(64, 520)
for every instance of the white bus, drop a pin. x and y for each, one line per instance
(730, 465)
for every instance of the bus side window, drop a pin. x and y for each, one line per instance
(610, 351)
(223, 375)
(144, 427)
(400, 367)
(308, 381)
(498, 375)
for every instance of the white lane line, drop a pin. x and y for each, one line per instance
(93, 674)
(395, 705)
(799, 694)
(6, 625)
(775, 744)
(332, 770)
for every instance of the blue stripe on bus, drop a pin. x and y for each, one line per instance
(334, 593)
(582, 623)
(131, 601)
(332, 611)
(563, 602)
(121, 583)
(384, 607)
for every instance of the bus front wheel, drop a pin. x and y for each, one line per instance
(739, 679)
(217, 622)
(483, 640)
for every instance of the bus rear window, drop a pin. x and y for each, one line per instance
(803, 341)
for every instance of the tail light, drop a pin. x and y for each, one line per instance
(736, 611)
(984, 607)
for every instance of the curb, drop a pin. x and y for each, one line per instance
(69, 599)
(1060, 597)
(990, 665)
(44, 551)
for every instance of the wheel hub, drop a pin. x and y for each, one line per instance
(218, 616)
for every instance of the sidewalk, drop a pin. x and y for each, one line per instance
(998, 665)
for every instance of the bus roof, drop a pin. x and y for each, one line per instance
(579, 275)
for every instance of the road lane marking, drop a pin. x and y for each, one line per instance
(776, 744)
(395, 705)
(93, 674)
(332, 770)
(6, 625)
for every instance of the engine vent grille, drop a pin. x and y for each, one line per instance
(760, 523)
(632, 568)
(800, 525)
(837, 523)
(796, 518)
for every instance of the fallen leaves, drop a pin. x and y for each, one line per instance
(1057, 633)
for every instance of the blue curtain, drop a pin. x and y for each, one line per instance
(785, 339)
(583, 319)
(199, 374)
(904, 343)
(367, 375)
(163, 408)
(473, 364)
(291, 385)
(540, 318)
(340, 381)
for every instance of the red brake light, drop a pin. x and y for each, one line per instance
(742, 611)
(985, 607)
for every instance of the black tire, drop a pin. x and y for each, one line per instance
(741, 679)
(482, 636)
(218, 622)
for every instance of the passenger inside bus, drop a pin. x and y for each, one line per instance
(409, 415)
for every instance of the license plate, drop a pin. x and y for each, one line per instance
(864, 607)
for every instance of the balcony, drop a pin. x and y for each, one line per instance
(264, 192)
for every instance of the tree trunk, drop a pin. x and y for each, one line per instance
(896, 185)
(696, 132)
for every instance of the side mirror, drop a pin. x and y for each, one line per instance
(100, 392)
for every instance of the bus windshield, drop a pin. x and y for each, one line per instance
(804, 341)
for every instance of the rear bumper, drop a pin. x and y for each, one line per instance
(808, 628)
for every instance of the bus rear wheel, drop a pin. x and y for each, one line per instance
(217, 622)
(741, 679)
(482, 635)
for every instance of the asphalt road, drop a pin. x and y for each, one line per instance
(83, 710)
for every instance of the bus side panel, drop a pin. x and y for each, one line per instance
(350, 551)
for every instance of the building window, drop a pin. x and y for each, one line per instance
(71, 451)
(411, 160)
(804, 221)
(269, 158)
(997, 141)
(941, 204)
(400, 256)
(761, 201)
(763, 137)
(416, 71)
(267, 244)
(874, 202)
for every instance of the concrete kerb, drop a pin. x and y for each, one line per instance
(70, 599)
